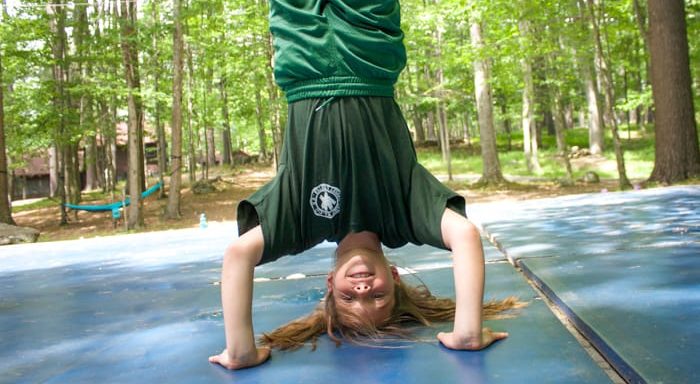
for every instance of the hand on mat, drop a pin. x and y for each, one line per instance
(453, 341)
(226, 361)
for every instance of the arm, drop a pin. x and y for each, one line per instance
(240, 259)
(463, 238)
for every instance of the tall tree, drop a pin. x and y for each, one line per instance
(491, 173)
(227, 149)
(440, 96)
(191, 137)
(596, 142)
(607, 84)
(135, 119)
(56, 12)
(173, 209)
(5, 208)
(162, 151)
(530, 146)
(677, 154)
(81, 38)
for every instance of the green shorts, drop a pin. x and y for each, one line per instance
(347, 165)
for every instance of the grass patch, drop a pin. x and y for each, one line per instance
(39, 204)
(639, 157)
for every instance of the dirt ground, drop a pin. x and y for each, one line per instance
(234, 185)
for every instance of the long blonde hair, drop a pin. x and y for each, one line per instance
(413, 304)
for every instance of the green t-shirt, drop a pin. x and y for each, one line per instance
(347, 166)
(331, 48)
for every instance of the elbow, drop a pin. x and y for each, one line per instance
(463, 234)
(470, 232)
(238, 255)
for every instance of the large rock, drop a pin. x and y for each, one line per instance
(590, 178)
(10, 234)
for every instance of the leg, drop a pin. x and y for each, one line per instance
(240, 259)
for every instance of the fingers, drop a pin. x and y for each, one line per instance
(217, 358)
(499, 335)
(488, 337)
(494, 335)
(263, 355)
(220, 360)
(444, 339)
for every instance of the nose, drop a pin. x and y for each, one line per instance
(361, 288)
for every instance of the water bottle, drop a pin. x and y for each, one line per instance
(202, 221)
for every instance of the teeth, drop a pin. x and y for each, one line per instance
(361, 275)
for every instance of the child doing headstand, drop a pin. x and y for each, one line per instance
(348, 173)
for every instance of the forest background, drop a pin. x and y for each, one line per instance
(519, 85)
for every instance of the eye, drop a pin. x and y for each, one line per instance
(378, 296)
(346, 298)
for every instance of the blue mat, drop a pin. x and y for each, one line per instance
(598, 223)
(641, 308)
(625, 267)
(73, 312)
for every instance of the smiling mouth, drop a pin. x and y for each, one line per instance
(360, 275)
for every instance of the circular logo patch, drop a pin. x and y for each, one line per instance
(325, 200)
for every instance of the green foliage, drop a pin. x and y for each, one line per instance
(228, 42)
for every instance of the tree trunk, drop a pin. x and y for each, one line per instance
(72, 172)
(609, 99)
(135, 143)
(430, 119)
(173, 209)
(415, 114)
(191, 156)
(417, 125)
(227, 148)
(273, 101)
(57, 17)
(444, 139)
(5, 193)
(209, 129)
(104, 128)
(641, 19)
(590, 80)
(467, 128)
(506, 123)
(440, 108)
(677, 153)
(595, 117)
(259, 121)
(211, 149)
(528, 112)
(91, 174)
(81, 34)
(559, 127)
(162, 148)
(484, 103)
(108, 149)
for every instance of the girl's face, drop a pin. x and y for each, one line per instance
(363, 283)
